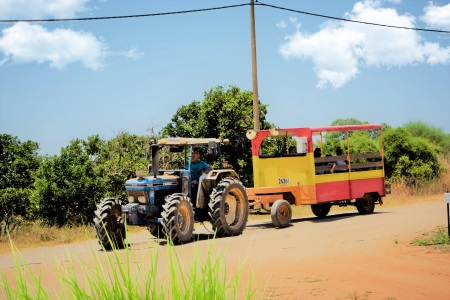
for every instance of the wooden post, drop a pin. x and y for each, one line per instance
(254, 68)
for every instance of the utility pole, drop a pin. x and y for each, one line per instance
(254, 68)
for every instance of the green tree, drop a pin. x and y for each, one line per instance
(119, 158)
(18, 162)
(68, 186)
(223, 113)
(360, 141)
(433, 134)
(414, 160)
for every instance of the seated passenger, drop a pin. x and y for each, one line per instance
(339, 152)
(318, 153)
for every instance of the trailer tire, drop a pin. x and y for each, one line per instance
(366, 204)
(229, 208)
(178, 218)
(108, 224)
(321, 210)
(281, 213)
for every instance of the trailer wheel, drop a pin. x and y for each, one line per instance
(366, 204)
(108, 224)
(321, 210)
(281, 213)
(228, 208)
(178, 218)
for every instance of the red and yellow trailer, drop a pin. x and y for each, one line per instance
(299, 177)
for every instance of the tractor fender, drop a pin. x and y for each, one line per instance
(215, 174)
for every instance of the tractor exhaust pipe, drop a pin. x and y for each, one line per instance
(155, 162)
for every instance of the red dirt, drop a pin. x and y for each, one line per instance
(344, 256)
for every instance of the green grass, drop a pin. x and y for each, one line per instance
(439, 237)
(127, 275)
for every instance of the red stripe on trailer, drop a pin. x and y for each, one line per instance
(345, 190)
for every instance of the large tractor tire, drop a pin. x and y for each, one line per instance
(281, 213)
(366, 204)
(108, 224)
(228, 208)
(178, 218)
(321, 210)
(156, 229)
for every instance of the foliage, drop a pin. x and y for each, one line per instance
(223, 113)
(439, 237)
(433, 134)
(361, 142)
(18, 162)
(68, 186)
(119, 158)
(408, 158)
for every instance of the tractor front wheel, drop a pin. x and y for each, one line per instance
(108, 223)
(228, 208)
(178, 218)
(156, 229)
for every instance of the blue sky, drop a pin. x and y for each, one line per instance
(65, 80)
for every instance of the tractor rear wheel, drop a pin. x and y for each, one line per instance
(228, 208)
(108, 223)
(321, 210)
(366, 204)
(178, 218)
(281, 213)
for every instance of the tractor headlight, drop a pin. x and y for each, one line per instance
(131, 199)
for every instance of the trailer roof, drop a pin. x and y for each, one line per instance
(346, 128)
(288, 132)
(186, 141)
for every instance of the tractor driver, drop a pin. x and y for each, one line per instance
(197, 167)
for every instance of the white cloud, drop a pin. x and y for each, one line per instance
(437, 17)
(340, 49)
(25, 43)
(133, 53)
(32, 9)
(281, 24)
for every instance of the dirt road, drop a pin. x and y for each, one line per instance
(344, 256)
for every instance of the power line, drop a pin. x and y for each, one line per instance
(125, 17)
(348, 20)
(219, 8)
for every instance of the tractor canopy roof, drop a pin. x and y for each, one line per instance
(181, 141)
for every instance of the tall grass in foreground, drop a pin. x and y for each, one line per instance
(124, 275)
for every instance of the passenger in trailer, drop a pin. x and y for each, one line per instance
(318, 153)
(339, 152)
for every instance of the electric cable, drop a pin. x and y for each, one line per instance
(348, 20)
(257, 3)
(124, 17)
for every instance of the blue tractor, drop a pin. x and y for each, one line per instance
(168, 202)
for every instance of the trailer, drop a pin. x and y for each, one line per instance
(298, 174)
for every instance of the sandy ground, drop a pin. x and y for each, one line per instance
(344, 256)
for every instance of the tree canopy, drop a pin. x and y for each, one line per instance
(223, 113)
(18, 163)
